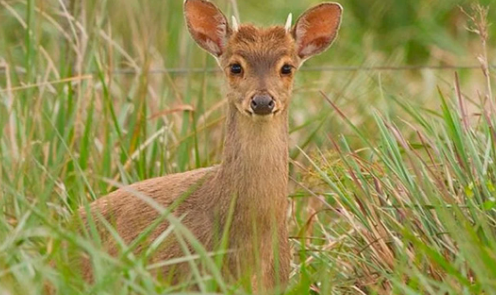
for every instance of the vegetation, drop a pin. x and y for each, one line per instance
(393, 170)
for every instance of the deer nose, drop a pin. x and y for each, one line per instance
(262, 104)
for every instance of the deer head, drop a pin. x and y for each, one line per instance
(259, 63)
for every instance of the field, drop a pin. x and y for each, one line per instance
(393, 140)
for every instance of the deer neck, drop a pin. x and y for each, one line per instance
(254, 168)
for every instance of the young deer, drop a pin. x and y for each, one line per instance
(251, 182)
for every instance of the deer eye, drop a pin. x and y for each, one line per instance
(236, 69)
(286, 69)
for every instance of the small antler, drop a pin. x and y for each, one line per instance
(235, 24)
(289, 22)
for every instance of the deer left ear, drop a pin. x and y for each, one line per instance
(316, 28)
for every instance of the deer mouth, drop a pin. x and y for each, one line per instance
(250, 113)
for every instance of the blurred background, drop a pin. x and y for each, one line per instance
(141, 58)
(378, 42)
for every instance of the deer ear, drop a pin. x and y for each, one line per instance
(207, 25)
(316, 28)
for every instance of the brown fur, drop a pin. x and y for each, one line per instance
(252, 177)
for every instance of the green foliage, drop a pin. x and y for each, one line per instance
(395, 198)
(413, 215)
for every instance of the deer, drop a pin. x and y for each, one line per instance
(246, 194)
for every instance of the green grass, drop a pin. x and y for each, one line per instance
(393, 172)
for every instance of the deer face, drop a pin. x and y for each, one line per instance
(259, 64)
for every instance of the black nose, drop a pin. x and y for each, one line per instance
(262, 104)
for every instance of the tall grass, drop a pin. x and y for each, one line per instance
(410, 216)
(398, 198)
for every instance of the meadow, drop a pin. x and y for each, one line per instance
(393, 140)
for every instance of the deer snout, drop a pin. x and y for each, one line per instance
(262, 104)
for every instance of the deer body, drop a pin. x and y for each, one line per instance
(246, 193)
(260, 200)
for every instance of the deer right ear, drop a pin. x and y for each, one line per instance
(207, 25)
(315, 30)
